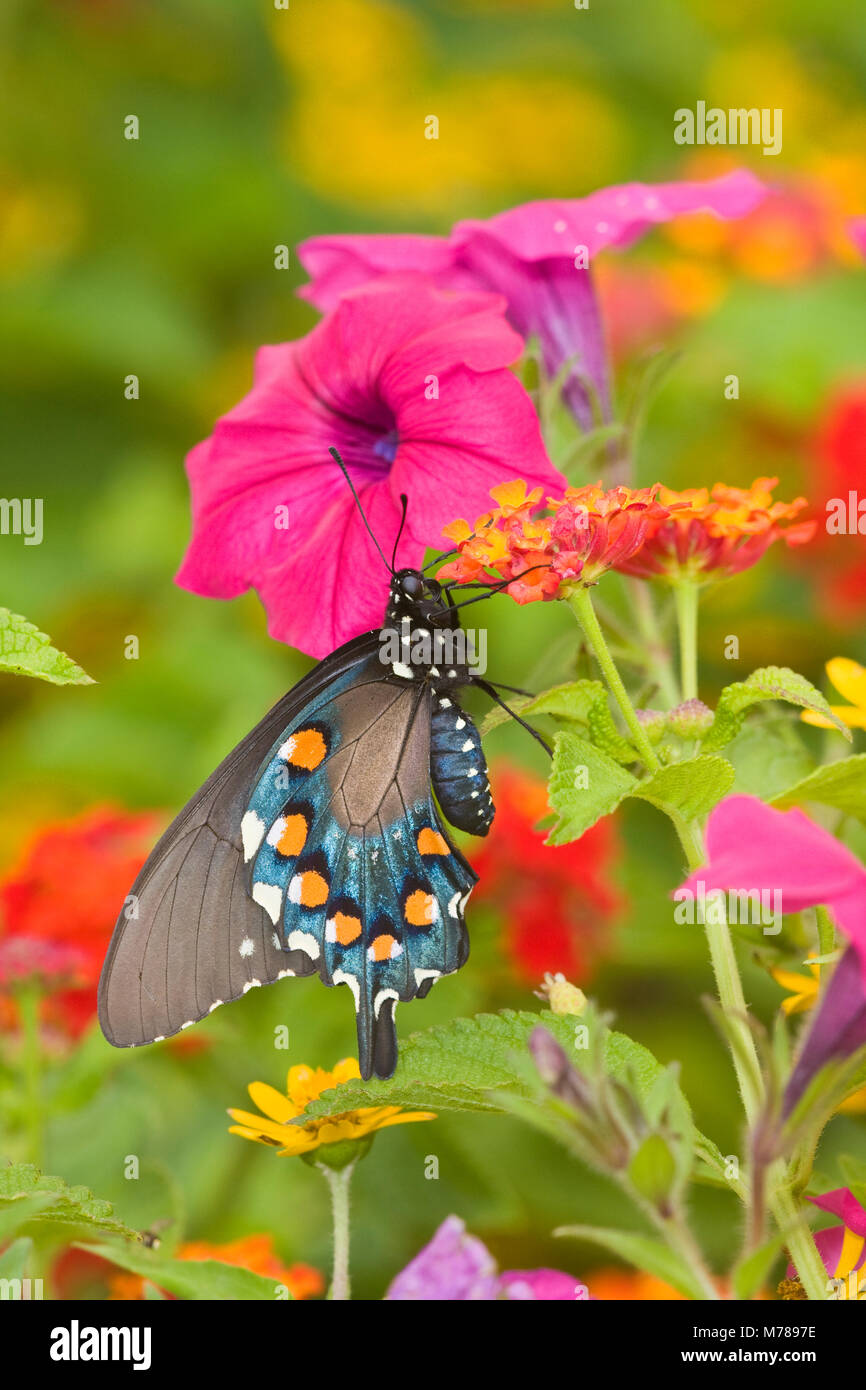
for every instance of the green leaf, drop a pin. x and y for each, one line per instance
(767, 683)
(750, 1272)
(691, 788)
(585, 784)
(17, 1213)
(74, 1206)
(13, 1260)
(653, 1170)
(643, 1252)
(841, 784)
(584, 703)
(768, 756)
(198, 1280)
(25, 651)
(467, 1063)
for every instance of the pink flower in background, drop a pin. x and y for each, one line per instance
(843, 1247)
(752, 847)
(857, 233)
(457, 1267)
(533, 254)
(411, 385)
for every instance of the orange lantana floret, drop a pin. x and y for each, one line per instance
(711, 534)
(541, 549)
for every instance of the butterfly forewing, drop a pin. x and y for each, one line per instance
(189, 937)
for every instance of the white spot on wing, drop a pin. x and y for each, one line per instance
(247, 946)
(268, 896)
(382, 996)
(400, 669)
(422, 975)
(342, 977)
(304, 941)
(252, 830)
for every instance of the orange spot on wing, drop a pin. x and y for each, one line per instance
(382, 946)
(431, 842)
(419, 908)
(293, 836)
(308, 748)
(346, 929)
(314, 889)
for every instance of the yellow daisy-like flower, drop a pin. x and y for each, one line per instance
(305, 1084)
(803, 988)
(849, 678)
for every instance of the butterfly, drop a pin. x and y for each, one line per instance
(318, 845)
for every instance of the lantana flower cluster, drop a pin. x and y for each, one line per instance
(545, 547)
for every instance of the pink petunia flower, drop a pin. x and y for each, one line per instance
(537, 256)
(843, 1247)
(751, 847)
(457, 1267)
(857, 233)
(411, 385)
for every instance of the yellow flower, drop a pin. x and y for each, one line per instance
(849, 678)
(804, 988)
(305, 1084)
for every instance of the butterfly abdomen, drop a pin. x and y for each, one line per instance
(458, 768)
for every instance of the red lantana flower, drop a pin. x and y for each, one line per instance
(559, 901)
(710, 534)
(839, 467)
(59, 903)
(544, 549)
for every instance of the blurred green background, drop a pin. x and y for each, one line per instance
(260, 127)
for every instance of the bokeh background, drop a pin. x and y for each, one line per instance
(259, 127)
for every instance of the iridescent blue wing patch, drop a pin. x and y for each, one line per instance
(347, 854)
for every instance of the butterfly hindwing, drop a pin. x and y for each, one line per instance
(189, 936)
(348, 856)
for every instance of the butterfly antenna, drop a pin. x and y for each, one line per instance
(344, 470)
(404, 503)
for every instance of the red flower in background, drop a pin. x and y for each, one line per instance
(559, 900)
(839, 468)
(59, 903)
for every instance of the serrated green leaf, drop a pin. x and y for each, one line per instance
(841, 784)
(692, 788)
(643, 1252)
(583, 703)
(25, 651)
(767, 683)
(768, 757)
(466, 1064)
(197, 1280)
(74, 1206)
(579, 806)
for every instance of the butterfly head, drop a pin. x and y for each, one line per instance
(415, 596)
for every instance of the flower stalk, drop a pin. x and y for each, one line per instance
(581, 604)
(339, 1181)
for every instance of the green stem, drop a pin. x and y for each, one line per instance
(686, 599)
(788, 1215)
(658, 661)
(581, 603)
(682, 1242)
(799, 1238)
(338, 1180)
(29, 998)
